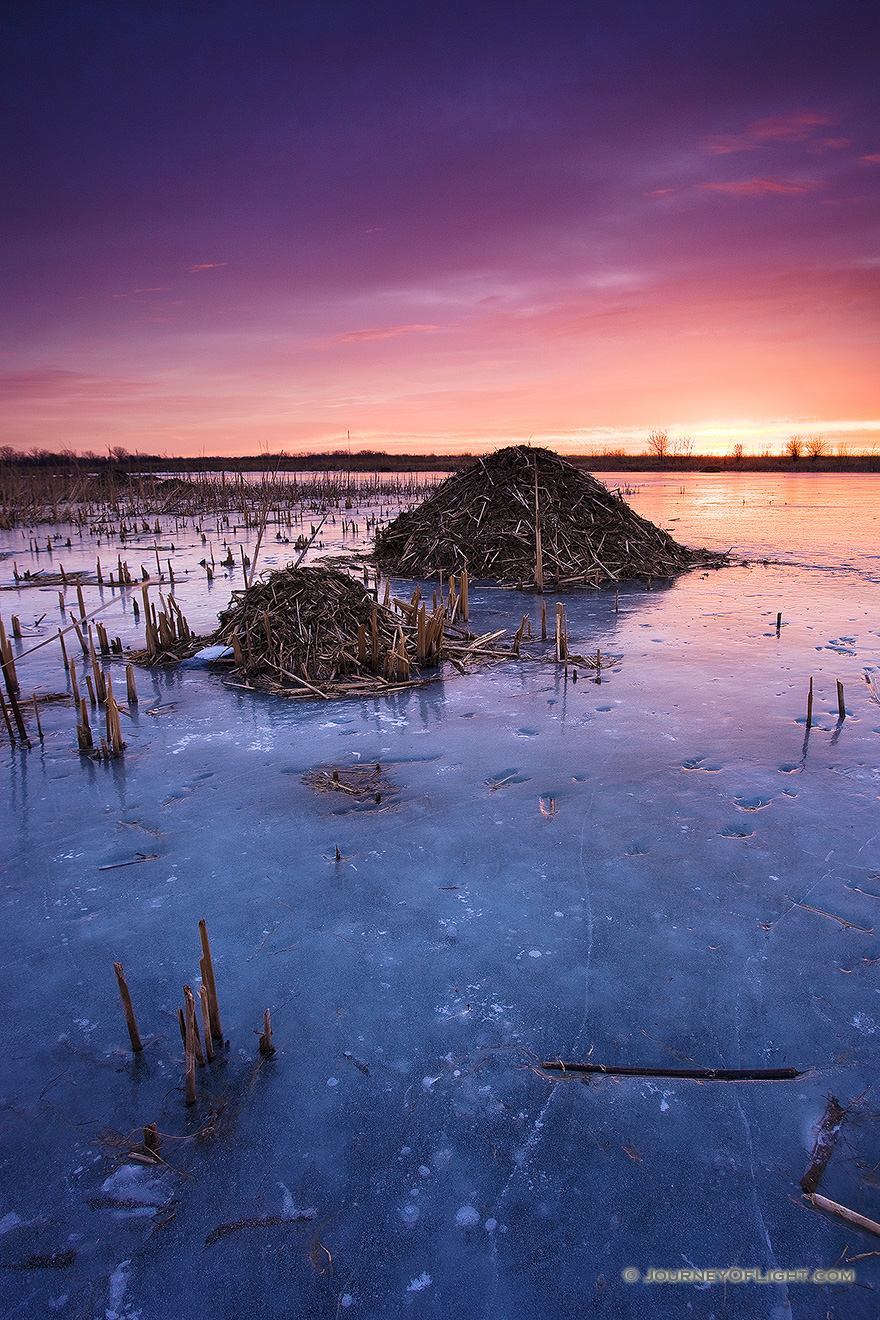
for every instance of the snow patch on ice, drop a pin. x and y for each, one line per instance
(118, 1285)
(423, 1281)
(466, 1217)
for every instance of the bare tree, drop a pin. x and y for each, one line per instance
(815, 446)
(737, 452)
(658, 444)
(794, 447)
(683, 446)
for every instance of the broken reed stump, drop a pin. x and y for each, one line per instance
(841, 706)
(207, 969)
(810, 706)
(133, 1033)
(189, 1047)
(206, 1022)
(267, 1049)
(189, 1000)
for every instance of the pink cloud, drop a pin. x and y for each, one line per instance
(873, 159)
(726, 144)
(795, 127)
(58, 383)
(387, 332)
(206, 265)
(760, 187)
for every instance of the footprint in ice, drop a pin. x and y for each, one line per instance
(736, 832)
(752, 803)
(699, 763)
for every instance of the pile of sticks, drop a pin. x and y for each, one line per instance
(524, 517)
(316, 632)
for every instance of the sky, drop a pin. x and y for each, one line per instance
(235, 227)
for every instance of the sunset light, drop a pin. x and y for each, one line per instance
(439, 229)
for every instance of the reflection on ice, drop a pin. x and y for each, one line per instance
(702, 895)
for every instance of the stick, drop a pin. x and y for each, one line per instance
(819, 913)
(859, 1221)
(141, 857)
(134, 1034)
(810, 706)
(698, 1074)
(841, 708)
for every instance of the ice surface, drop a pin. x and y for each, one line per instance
(705, 892)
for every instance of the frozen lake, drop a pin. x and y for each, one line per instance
(664, 870)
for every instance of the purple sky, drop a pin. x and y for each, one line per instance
(229, 227)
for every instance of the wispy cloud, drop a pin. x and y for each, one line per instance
(380, 332)
(59, 383)
(206, 265)
(799, 126)
(761, 187)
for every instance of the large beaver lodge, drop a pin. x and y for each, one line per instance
(317, 632)
(525, 517)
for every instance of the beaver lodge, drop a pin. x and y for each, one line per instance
(525, 517)
(316, 632)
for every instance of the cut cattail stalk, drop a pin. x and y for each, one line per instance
(37, 717)
(16, 627)
(208, 979)
(206, 1022)
(134, 1034)
(189, 1049)
(82, 606)
(191, 1011)
(841, 707)
(130, 685)
(267, 1049)
(63, 650)
(83, 730)
(9, 726)
(464, 595)
(151, 1137)
(543, 620)
(810, 706)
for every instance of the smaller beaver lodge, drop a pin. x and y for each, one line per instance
(316, 632)
(529, 518)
